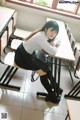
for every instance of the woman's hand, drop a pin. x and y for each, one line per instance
(52, 43)
(57, 43)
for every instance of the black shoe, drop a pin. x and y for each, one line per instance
(52, 98)
(60, 90)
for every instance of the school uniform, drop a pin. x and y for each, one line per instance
(23, 54)
(25, 59)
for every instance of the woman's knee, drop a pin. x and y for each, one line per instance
(41, 72)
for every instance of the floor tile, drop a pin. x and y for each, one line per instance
(26, 105)
(12, 98)
(33, 87)
(13, 113)
(54, 108)
(31, 114)
(53, 116)
(31, 101)
(19, 79)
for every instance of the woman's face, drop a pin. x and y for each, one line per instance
(50, 33)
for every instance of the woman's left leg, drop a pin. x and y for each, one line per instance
(52, 81)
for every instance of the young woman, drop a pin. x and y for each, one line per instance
(40, 40)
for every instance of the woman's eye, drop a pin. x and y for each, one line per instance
(52, 30)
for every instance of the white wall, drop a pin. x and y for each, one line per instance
(31, 19)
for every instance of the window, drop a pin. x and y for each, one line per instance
(68, 6)
(47, 3)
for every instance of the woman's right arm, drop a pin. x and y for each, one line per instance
(50, 49)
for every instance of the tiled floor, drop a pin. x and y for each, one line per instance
(25, 105)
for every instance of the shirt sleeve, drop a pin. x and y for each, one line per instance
(44, 44)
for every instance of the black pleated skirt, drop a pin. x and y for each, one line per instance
(26, 61)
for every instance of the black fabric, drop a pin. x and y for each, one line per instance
(28, 61)
(43, 60)
(49, 84)
(52, 79)
(46, 83)
(54, 84)
(24, 59)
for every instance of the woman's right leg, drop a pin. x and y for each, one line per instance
(51, 96)
(45, 82)
(52, 81)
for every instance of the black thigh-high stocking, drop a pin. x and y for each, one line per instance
(52, 79)
(45, 83)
